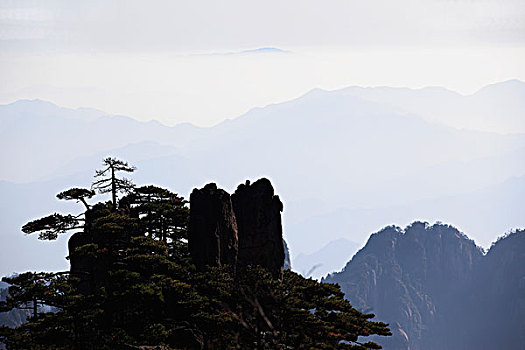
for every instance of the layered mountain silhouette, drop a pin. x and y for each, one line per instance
(479, 111)
(345, 163)
(331, 257)
(438, 290)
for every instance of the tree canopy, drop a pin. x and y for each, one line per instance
(78, 194)
(49, 227)
(133, 284)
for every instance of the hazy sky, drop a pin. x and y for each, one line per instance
(173, 60)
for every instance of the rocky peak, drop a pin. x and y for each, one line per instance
(212, 237)
(258, 212)
(242, 230)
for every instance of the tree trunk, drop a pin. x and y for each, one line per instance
(162, 234)
(83, 200)
(113, 189)
(35, 308)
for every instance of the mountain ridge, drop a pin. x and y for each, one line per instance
(492, 86)
(429, 281)
(476, 111)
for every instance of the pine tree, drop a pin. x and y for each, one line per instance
(144, 289)
(111, 183)
(78, 194)
(162, 212)
(49, 227)
(30, 291)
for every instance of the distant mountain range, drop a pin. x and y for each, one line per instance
(480, 111)
(331, 257)
(344, 162)
(438, 290)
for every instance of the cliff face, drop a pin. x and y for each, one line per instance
(213, 238)
(258, 213)
(239, 231)
(429, 281)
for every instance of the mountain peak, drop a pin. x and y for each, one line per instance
(32, 103)
(429, 281)
(512, 86)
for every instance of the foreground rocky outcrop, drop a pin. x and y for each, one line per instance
(236, 230)
(213, 235)
(258, 213)
(438, 290)
(239, 230)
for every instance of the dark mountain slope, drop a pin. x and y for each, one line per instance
(498, 296)
(437, 290)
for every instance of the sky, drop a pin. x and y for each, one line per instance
(197, 61)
